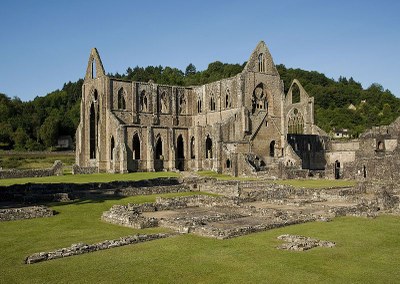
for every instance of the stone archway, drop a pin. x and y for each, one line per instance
(337, 169)
(180, 154)
(272, 149)
(112, 146)
(159, 158)
(209, 152)
(135, 152)
(92, 132)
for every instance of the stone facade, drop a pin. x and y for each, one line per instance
(237, 125)
(241, 125)
(375, 155)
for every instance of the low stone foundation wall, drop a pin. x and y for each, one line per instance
(128, 217)
(196, 201)
(55, 170)
(209, 231)
(12, 214)
(226, 188)
(33, 193)
(78, 170)
(81, 248)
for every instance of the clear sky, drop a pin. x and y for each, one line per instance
(44, 44)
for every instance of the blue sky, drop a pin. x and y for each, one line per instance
(44, 44)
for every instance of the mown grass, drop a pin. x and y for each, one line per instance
(317, 183)
(367, 252)
(218, 176)
(34, 160)
(307, 183)
(99, 177)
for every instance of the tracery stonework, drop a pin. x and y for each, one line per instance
(236, 125)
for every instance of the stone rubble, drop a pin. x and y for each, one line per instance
(81, 248)
(302, 243)
(257, 206)
(11, 214)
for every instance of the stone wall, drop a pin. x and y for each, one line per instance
(77, 170)
(11, 214)
(55, 170)
(82, 248)
(226, 188)
(31, 193)
(128, 217)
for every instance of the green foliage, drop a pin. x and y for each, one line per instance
(20, 138)
(190, 70)
(374, 105)
(173, 76)
(49, 130)
(35, 124)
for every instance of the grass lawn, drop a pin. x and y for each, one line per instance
(308, 183)
(317, 183)
(34, 160)
(218, 176)
(367, 252)
(101, 177)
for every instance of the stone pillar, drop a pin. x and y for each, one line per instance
(123, 155)
(199, 148)
(171, 148)
(135, 103)
(154, 99)
(150, 149)
(217, 159)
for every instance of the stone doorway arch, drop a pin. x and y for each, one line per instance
(159, 158)
(337, 169)
(180, 154)
(272, 149)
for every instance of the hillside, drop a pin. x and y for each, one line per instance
(36, 125)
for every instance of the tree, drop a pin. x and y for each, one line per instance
(49, 131)
(6, 134)
(20, 138)
(190, 70)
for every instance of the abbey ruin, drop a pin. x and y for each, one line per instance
(243, 125)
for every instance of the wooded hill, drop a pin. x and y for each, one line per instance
(36, 125)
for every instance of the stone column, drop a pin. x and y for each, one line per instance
(171, 147)
(150, 149)
(199, 148)
(173, 106)
(123, 155)
(217, 159)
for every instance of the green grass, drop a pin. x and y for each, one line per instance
(218, 176)
(308, 183)
(100, 177)
(317, 183)
(35, 160)
(367, 252)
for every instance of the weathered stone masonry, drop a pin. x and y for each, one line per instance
(237, 125)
